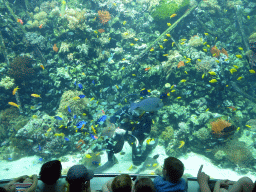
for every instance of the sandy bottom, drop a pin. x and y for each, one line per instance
(192, 161)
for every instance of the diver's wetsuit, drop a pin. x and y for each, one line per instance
(140, 126)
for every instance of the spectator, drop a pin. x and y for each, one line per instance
(173, 179)
(50, 178)
(144, 185)
(244, 184)
(79, 178)
(11, 186)
(122, 183)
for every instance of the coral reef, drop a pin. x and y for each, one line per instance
(64, 47)
(7, 82)
(104, 16)
(202, 134)
(77, 106)
(21, 69)
(218, 126)
(167, 134)
(34, 38)
(76, 18)
(195, 41)
(83, 48)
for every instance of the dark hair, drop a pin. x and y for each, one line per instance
(174, 169)
(2, 189)
(144, 184)
(122, 183)
(50, 172)
(77, 187)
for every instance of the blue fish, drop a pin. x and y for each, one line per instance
(81, 96)
(10, 158)
(58, 117)
(67, 139)
(92, 136)
(75, 116)
(40, 159)
(39, 148)
(163, 95)
(144, 92)
(80, 86)
(80, 124)
(93, 82)
(95, 163)
(69, 110)
(102, 119)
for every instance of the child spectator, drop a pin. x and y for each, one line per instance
(79, 178)
(144, 185)
(244, 184)
(121, 183)
(50, 178)
(172, 179)
(15, 183)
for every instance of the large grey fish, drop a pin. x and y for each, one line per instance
(149, 105)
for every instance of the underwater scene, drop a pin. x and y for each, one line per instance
(119, 85)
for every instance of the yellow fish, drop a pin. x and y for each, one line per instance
(126, 33)
(133, 75)
(199, 60)
(88, 156)
(238, 128)
(248, 17)
(209, 47)
(131, 44)
(161, 46)
(232, 71)
(13, 104)
(168, 35)
(152, 49)
(217, 61)
(203, 76)
(92, 99)
(236, 66)
(84, 114)
(188, 61)
(153, 121)
(212, 73)
(169, 24)
(172, 86)
(35, 95)
(204, 43)
(14, 90)
(240, 48)
(165, 40)
(117, 86)
(183, 80)
(186, 72)
(93, 129)
(76, 98)
(239, 78)
(182, 143)
(34, 116)
(251, 71)
(123, 68)
(124, 22)
(173, 90)
(178, 97)
(173, 43)
(239, 56)
(168, 94)
(95, 32)
(173, 15)
(205, 50)
(123, 59)
(248, 126)
(83, 74)
(182, 43)
(130, 168)
(206, 34)
(207, 109)
(213, 81)
(136, 39)
(165, 55)
(155, 164)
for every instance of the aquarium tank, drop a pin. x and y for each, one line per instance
(120, 85)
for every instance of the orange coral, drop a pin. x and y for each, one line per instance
(55, 48)
(101, 30)
(215, 51)
(79, 144)
(181, 64)
(104, 16)
(224, 52)
(219, 125)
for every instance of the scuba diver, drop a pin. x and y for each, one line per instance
(135, 122)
